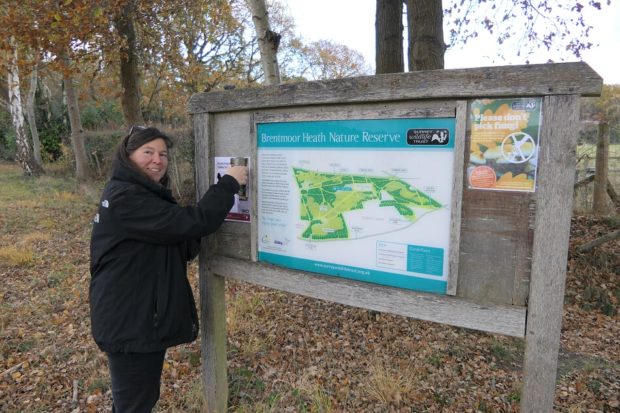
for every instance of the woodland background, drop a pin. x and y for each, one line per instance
(75, 61)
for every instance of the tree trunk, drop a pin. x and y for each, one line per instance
(130, 76)
(24, 155)
(268, 41)
(425, 28)
(82, 172)
(599, 201)
(389, 37)
(32, 121)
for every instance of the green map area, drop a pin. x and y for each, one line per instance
(326, 196)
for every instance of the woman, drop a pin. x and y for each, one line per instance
(141, 302)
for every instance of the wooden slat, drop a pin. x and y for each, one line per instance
(486, 82)
(495, 246)
(254, 191)
(496, 243)
(507, 320)
(413, 110)
(212, 287)
(457, 196)
(551, 234)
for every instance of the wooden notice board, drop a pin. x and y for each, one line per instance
(500, 267)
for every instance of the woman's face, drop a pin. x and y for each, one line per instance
(152, 158)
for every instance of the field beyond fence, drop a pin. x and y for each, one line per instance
(586, 164)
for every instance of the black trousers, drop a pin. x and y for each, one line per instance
(135, 380)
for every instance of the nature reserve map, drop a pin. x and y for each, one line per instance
(327, 197)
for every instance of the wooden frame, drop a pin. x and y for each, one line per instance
(459, 112)
(224, 121)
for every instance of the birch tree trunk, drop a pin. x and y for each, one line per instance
(24, 155)
(32, 122)
(82, 172)
(389, 37)
(425, 28)
(268, 41)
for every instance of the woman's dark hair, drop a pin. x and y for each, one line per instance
(138, 136)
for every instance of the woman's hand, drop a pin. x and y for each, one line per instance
(240, 173)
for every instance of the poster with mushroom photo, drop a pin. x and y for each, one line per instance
(504, 144)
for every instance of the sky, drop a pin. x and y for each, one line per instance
(352, 22)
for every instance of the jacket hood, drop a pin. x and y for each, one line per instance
(123, 172)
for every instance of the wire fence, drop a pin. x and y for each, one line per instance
(586, 168)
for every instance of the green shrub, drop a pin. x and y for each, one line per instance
(7, 137)
(102, 115)
(51, 135)
(7, 145)
(100, 148)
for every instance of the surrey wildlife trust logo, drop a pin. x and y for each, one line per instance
(428, 137)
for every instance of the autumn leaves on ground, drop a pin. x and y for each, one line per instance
(286, 353)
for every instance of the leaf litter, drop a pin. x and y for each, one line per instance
(286, 353)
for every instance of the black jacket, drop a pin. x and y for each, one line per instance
(140, 298)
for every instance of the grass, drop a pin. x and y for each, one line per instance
(586, 157)
(590, 148)
(14, 256)
(43, 237)
(320, 401)
(507, 352)
(190, 401)
(386, 384)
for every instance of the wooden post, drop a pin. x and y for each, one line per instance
(585, 201)
(550, 251)
(599, 199)
(212, 286)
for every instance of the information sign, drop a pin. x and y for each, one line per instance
(240, 210)
(361, 199)
(504, 144)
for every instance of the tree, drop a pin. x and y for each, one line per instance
(519, 25)
(425, 32)
(525, 26)
(32, 122)
(604, 112)
(60, 33)
(291, 49)
(328, 60)
(608, 110)
(82, 170)
(129, 72)
(599, 196)
(204, 44)
(389, 36)
(24, 154)
(268, 41)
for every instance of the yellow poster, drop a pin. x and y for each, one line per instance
(504, 144)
